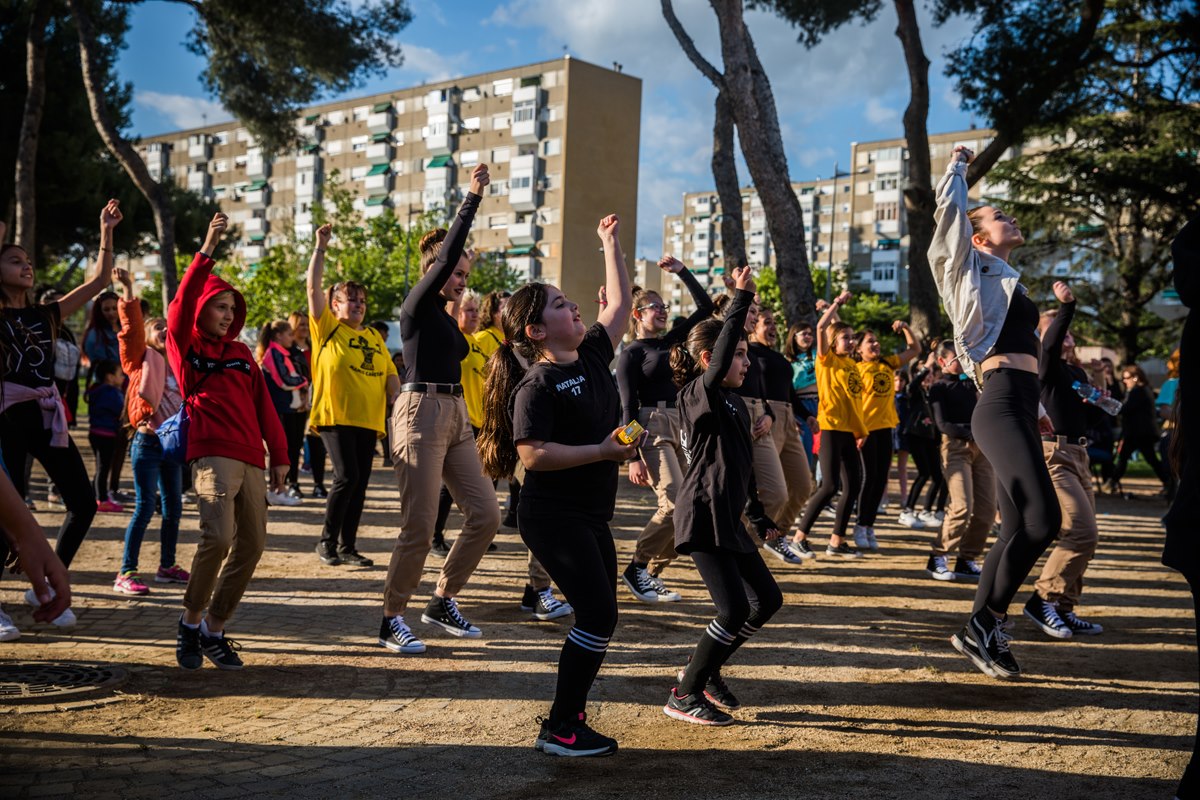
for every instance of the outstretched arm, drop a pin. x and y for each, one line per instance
(700, 297)
(913, 347)
(614, 316)
(316, 272)
(828, 318)
(732, 330)
(75, 299)
(951, 245)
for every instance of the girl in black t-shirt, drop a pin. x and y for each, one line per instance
(717, 487)
(32, 418)
(558, 417)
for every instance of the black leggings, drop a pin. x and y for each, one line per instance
(103, 448)
(294, 424)
(1149, 450)
(352, 451)
(22, 433)
(580, 556)
(877, 465)
(839, 456)
(120, 448)
(316, 458)
(746, 596)
(927, 457)
(1005, 428)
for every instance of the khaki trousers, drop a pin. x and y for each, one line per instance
(1062, 576)
(794, 461)
(768, 471)
(232, 500)
(432, 443)
(666, 463)
(971, 483)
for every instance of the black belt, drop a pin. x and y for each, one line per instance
(434, 388)
(661, 404)
(1081, 441)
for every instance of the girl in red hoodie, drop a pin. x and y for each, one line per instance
(231, 415)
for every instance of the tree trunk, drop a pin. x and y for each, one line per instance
(94, 82)
(31, 124)
(919, 201)
(753, 106)
(733, 235)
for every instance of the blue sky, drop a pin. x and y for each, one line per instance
(851, 87)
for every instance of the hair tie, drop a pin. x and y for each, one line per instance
(506, 343)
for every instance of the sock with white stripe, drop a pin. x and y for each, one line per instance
(580, 660)
(711, 650)
(751, 627)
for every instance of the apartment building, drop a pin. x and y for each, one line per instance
(854, 223)
(560, 137)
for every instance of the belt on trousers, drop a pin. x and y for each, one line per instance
(665, 404)
(434, 388)
(1081, 441)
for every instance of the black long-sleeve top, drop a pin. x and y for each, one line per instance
(1182, 550)
(775, 370)
(920, 415)
(644, 367)
(434, 347)
(715, 434)
(1139, 417)
(1064, 406)
(755, 385)
(952, 402)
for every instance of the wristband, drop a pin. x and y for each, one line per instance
(320, 250)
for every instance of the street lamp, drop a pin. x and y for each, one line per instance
(832, 228)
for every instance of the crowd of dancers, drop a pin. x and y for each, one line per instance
(747, 442)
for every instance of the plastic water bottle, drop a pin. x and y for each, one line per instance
(1091, 394)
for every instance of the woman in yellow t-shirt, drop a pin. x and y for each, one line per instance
(878, 374)
(839, 415)
(489, 338)
(353, 379)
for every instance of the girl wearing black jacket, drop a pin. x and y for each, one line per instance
(717, 488)
(1139, 428)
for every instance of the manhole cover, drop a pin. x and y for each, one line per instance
(32, 682)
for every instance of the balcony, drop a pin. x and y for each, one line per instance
(440, 135)
(199, 149)
(151, 262)
(381, 121)
(888, 226)
(380, 153)
(308, 161)
(526, 119)
(257, 194)
(524, 183)
(311, 129)
(441, 101)
(887, 195)
(256, 165)
(199, 181)
(303, 218)
(255, 226)
(378, 180)
(703, 205)
(253, 252)
(891, 165)
(526, 232)
(523, 260)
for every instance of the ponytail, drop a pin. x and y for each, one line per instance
(685, 356)
(497, 450)
(684, 368)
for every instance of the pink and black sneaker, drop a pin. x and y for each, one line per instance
(171, 574)
(130, 583)
(573, 738)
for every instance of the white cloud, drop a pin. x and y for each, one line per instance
(819, 157)
(432, 65)
(183, 111)
(879, 114)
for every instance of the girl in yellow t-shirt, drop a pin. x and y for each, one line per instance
(839, 415)
(878, 375)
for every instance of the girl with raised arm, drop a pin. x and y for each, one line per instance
(100, 344)
(353, 378)
(718, 487)
(289, 387)
(995, 330)
(648, 394)
(432, 441)
(32, 418)
(558, 418)
(314, 452)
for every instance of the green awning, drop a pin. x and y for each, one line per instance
(256, 186)
(258, 237)
(380, 107)
(531, 80)
(380, 137)
(379, 169)
(377, 200)
(438, 162)
(311, 118)
(527, 250)
(310, 148)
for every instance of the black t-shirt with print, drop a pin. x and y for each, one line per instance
(26, 334)
(570, 404)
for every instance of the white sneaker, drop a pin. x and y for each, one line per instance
(282, 499)
(861, 540)
(8, 628)
(911, 520)
(64, 620)
(930, 518)
(665, 595)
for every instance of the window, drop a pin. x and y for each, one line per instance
(336, 117)
(472, 124)
(335, 147)
(470, 95)
(886, 181)
(500, 122)
(887, 211)
(220, 166)
(221, 137)
(520, 181)
(524, 111)
(502, 87)
(468, 158)
(497, 188)
(551, 147)
(498, 221)
(361, 113)
(501, 155)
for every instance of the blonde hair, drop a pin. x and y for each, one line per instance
(149, 326)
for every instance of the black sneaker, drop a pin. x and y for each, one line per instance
(984, 640)
(543, 604)
(221, 650)
(573, 739)
(696, 709)
(801, 548)
(936, 567)
(717, 692)
(779, 548)
(440, 547)
(320, 491)
(967, 569)
(1045, 616)
(1081, 626)
(327, 555)
(844, 550)
(637, 580)
(510, 519)
(394, 634)
(443, 612)
(294, 491)
(354, 559)
(187, 647)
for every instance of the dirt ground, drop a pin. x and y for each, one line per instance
(851, 691)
